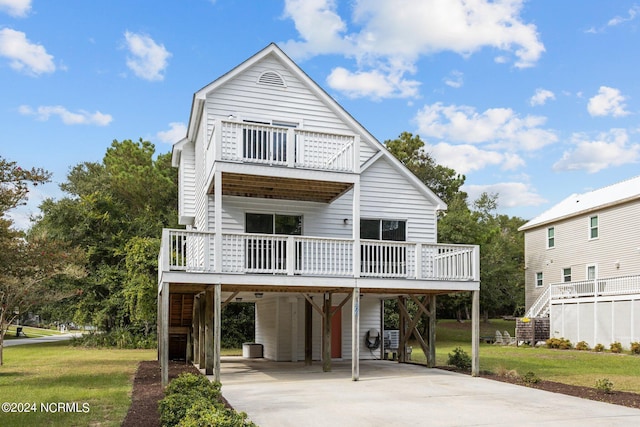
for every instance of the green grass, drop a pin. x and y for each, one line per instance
(55, 372)
(29, 332)
(565, 366)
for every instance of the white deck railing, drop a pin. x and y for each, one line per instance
(622, 285)
(282, 146)
(194, 251)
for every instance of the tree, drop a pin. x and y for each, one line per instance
(29, 263)
(443, 181)
(115, 211)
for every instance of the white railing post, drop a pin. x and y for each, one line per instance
(291, 255)
(476, 263)
(291, 148)
(418, 261)
(355, 167)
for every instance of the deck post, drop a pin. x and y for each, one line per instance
(202, 346)
(208, 332)
(217, 328)
(326, 334)
(355, 339)
(308, 333)
(431, 337)
(475, 334)
(217, 238)
(164, 335)
(402, 324)
(196, 329)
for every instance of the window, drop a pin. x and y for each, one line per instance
(591, 272)
(382, 229)
(566, 274)
(377, 259)
(265, 255)
(551, 237)
(593, 227)
(539, 282)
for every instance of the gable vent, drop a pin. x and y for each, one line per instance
(271, 78)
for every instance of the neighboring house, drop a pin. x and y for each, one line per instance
(290, 203)
(582, 265)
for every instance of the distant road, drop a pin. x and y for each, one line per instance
(52, 338)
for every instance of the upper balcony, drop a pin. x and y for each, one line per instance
(246, 254)
(309, 165)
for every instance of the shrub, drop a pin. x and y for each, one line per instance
(560, 343)
(192, 400)
(599, 348)
(582, 345)
(616, 347)
(635, 347)
(123, 338)
(604, 385)
(530, 378)
(460, 359)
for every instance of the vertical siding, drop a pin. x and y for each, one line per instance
(619, 240)
(388, 195)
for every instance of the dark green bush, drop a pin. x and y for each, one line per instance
(124, 338)
(599, 348)
(530, 378)
(635, 347)
(192, 400)
(460, 359)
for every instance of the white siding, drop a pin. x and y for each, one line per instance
(369, 319)
(386, 194)
(266, 326)
(187, 181)
(618, 241)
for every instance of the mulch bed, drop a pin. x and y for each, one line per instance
(147, 391)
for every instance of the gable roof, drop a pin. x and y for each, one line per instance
(273, 49)
(579, 204)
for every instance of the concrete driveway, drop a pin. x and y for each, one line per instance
(391, 394)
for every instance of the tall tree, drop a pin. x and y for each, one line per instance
(110, 209)
(443, 181)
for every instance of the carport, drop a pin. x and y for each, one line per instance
(291, 394)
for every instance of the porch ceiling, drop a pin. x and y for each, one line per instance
(271, 187)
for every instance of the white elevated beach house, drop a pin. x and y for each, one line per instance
(582, 260)
(290, 203)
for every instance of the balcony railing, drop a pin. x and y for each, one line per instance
(194, 251)
(623, 285)
(281, 146)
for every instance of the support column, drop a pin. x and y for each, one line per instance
(196, 330)
(475, 334)
(164, 335)
(402, 324)
(208, 332)
(308, 333)
(326, 336)
(355, 338)
(217, 328)
(431, 337)
(201, 332)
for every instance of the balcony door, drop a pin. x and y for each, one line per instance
(265, 141)
(381, 258)
(268, 254)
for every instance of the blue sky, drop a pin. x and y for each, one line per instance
(530, 100)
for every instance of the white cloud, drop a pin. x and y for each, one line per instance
(541, 97)
(68, 118)
(608, 102)
(374, 84)
(454, 79)
(608, 149)
(177, 131)
(631, 15)
(495, 127)
(510, 194)
(380, 41)
(148, 59)
(25, 56)
(466, 158)
(16, 8)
